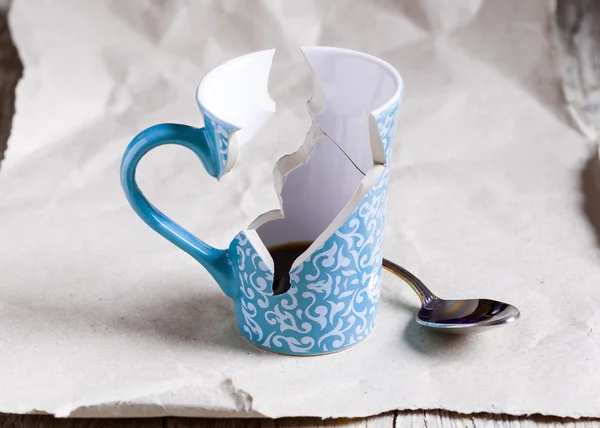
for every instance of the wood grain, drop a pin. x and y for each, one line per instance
(428, 419)
(398, 419)
(10, 72)
(44, 421)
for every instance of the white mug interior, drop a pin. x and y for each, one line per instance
(236, 92)
(322, 183)
(342, 156)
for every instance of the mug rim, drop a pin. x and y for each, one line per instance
(269, 53)
(395, 74)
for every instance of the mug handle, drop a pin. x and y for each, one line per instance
(214, 260)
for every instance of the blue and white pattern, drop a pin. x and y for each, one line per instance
(218, 133)
(333, 299)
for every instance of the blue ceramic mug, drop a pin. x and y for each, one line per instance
(333, 192)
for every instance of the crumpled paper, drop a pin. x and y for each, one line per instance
(491, 195)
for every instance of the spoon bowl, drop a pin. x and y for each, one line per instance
(464, 316)
(455, 316)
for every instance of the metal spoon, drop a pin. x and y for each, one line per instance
(455, 316)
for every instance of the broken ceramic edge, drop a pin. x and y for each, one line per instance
(315, 105)
(286, 164)
(317, 101)
(228, 123)
(228, 132)
(364, 186)
(260, 248)
(283, 167)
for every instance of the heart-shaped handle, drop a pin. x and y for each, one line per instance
(214, 260)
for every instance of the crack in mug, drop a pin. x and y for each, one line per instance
(333, 198)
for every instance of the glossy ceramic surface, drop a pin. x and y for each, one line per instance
(333, 299)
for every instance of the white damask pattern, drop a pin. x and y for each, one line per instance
(334, 295)
(218, 132)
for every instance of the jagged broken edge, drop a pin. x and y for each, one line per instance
(286, 164)
(232, 141)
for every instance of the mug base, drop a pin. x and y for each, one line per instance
(305, 354)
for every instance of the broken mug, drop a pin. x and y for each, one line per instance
(332, 191)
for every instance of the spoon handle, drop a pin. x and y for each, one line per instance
(415, 283)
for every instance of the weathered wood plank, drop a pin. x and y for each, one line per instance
(428, 419)
(45, 421)
(441, 418)
(381, 421)
(385, 420)
(210, 423)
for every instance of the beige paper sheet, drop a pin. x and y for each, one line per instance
(492, 194)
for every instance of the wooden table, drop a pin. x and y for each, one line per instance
(10, 72)
(429, 419)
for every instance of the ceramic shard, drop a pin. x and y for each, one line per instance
(332, 194)
(340, 160)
